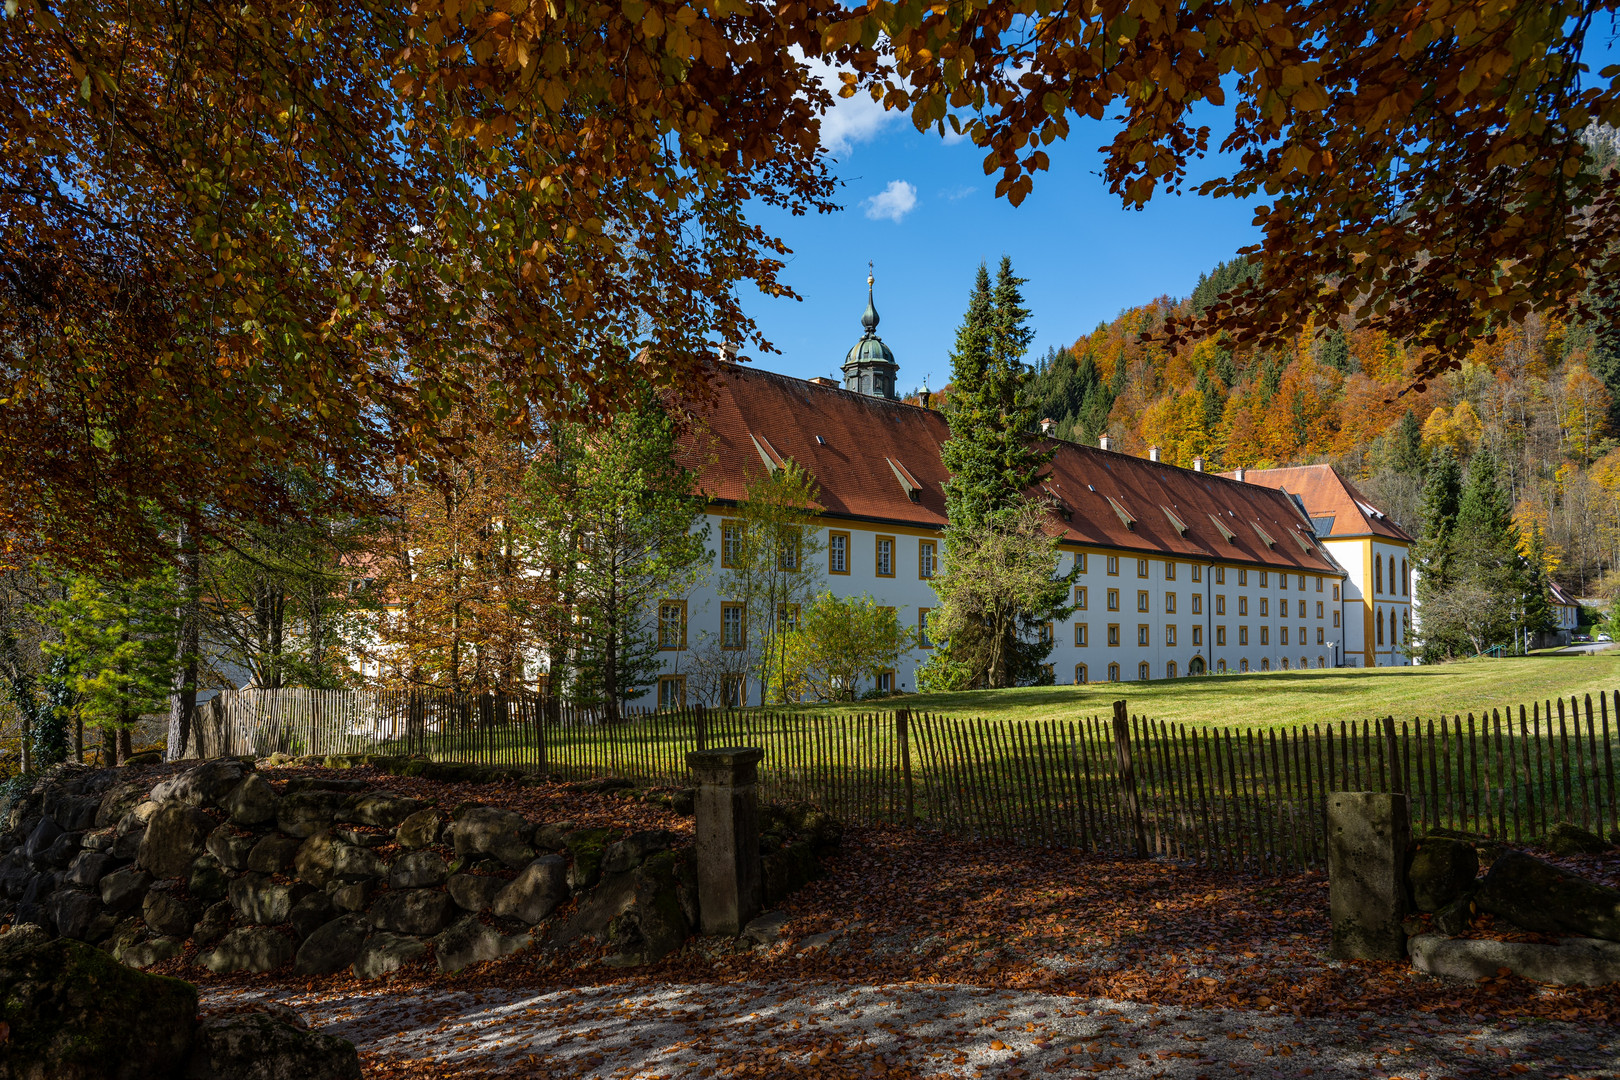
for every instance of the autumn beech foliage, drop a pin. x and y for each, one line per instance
(1416, 163)
(242, 240)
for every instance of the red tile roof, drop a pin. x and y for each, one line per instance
(1326, 494)
(1559, 597)
(866, 454)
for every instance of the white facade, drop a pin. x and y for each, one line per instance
(1138, 616)
(1378, 599)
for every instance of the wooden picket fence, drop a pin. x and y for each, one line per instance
(1229, 795)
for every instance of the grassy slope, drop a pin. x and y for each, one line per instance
(1288, 697)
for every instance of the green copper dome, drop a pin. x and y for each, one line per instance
(869, 367)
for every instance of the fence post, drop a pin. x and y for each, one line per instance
(1127, 777)
(699, 721)
(902, 735)
(1397, 775)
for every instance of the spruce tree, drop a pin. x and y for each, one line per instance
(1335, 352)
(1407, 452)
(1435, 549)
(1487, 544)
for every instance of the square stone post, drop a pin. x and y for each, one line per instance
(728, 869)
(1368, 833)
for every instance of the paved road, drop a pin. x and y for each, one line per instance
(777, 1029)
(1584, 647)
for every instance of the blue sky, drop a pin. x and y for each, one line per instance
(922, 209)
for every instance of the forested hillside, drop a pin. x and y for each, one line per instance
(1544, 397)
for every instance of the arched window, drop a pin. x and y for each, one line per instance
(1406, 579)
(1220, 667)
(1265, 663)
(1142, 673)
(1304, 664)
(1113, 673)
(1321, 661)
(1394, 629)
(1285, 663)
(1080, 675)
(1243, 665)
(1170, 670)
(1378, 573)
(1379, 618)
(1196, 666)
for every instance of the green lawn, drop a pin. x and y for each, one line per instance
(1289, 697)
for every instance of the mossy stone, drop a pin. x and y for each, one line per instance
(587, 846)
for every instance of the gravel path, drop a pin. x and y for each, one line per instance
(785, 1029)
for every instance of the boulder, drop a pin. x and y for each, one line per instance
(420, 829)
(40, 839)
(311, 913)
(1564, 839)
(126, 888)
(327, 784)
(143, 954)
(350, 896)
(119, 800)
(385, 953)
(251, 948)
(1572, 962)
(74, 912)
(553, 836)
(535, 892)
(306, 813)
(384, 809)
(629, 853)
(168, 915)
(230, 847)
(484, 830)
(474, 892)
(587, 847)
(174, 837)
(466, 942)
(315, 858)
(75, 1013)
(350, 863)
(208, 881)
(765, 929)
(99, 840)
(214, 924)
(203, 785)
(252, 802)
(1549, 899)
(422, 912)
(1456, 917)
(262, 1045)
(333, 946)
(259, 900)
(610, 899)
(655, 925)
(1440, 869)
(273, 854)
(88, 868)
(418, 870)
(363, 839)
(63, 850)
(74, 813)
(128, 845)
(136, 818)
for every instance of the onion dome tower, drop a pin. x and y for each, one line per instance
(870, 368)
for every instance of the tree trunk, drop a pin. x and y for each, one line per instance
(183, 687)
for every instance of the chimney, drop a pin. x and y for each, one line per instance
(1240, 475)
(1153, 453)
(1047, 425)
(1198, 464)
(1105, 443)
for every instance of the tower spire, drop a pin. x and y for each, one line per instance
(869, 368)
(870, 319)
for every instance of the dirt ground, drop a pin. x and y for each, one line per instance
(925, 956)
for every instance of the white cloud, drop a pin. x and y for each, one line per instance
(893, 202)
(960, 193)
(851, 120)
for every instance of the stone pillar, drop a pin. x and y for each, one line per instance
(1368, 834)
(728, 870)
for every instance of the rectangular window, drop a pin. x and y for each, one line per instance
(1080, 561)
(787, 616)
(1141, 600)
(731, 543)
(1080, 635)
(671, 691)
(1220, 575)
(1321, 636)
(672, 624)
(1243, 605)
(787, 556)
(1170, 636)
(1198, 604)
(1243, 635)
(1265, 635)
(1113, 599)
(1335, 618)
(1141, 635)
(1169, 570)
(1080, 597)
(923, 640)
(885, 556)
(1265, 606)
(1113, 633)
(1282, 581)
(1302, 637)
(1318, 584)
(927, 559)
(733, 631)
(838, 553)
(1197, 572)
(885, 682)
(1265, 579)
(1141, 568)
(1113, 565)
(1300, 581)
(1220, 636)
(1169, 603)
(1045, 633)
(1198, 636)
(1335, 592)
(1319, 609)
(1243, 576)
(1285, 636)
(1220, 603)
(734, 691)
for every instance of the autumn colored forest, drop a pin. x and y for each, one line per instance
(1543, 396)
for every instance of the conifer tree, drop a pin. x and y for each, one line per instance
(1335, 352)
(1407, 456)
(1487, 543)
(1435, 549)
